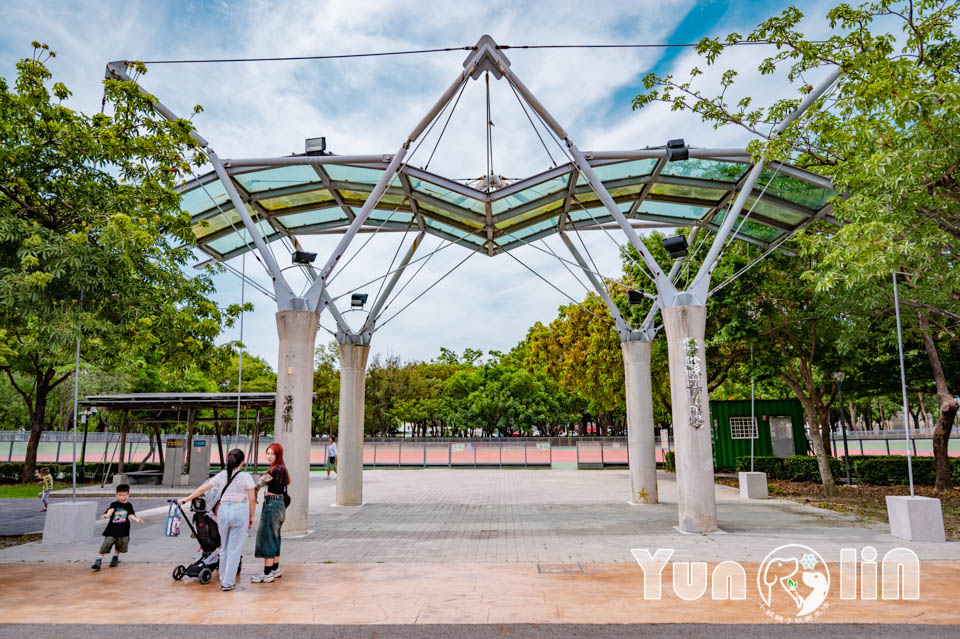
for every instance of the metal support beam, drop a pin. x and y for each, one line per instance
(314, 160)
(623, 327)
(374, 313)
(647, 154)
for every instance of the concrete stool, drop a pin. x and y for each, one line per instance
(915, 518)
(69, 522)
(753, 485)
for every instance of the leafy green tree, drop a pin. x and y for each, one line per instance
(888, 136)
(92, 239)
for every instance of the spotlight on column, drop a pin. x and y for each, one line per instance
(357, 300)
(677, 150)
(635, 297)
(302, 257)
(315, 146)
(676, 246)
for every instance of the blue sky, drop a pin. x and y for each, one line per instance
(369, 105)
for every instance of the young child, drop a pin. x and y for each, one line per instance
(117, 533)
(45, 479)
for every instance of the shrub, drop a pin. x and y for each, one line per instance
(892, 470)
(804, 468)
(10, 472)
(772, 466)
(669, 461)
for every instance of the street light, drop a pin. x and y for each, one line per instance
(838, 377)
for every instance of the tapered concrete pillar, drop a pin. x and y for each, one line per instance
(685, 326)
(291, 426)
(353, 369)
(641, 447)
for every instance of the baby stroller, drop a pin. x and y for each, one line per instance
(207, 534)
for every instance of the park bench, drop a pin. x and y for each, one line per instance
(140, 477)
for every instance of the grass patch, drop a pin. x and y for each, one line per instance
(17, 540)
(29, 491)
(864, 501)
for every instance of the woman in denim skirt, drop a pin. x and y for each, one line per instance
(276, 480)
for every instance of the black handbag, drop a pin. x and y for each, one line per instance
(286, 498)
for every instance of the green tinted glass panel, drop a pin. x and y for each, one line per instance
(199, 200)
(635, 168)
(446, 195)
(216, 223)
(277, 178)
(626, 191)
(793, 189)
(359, 198)
(297, 220)
(227, 243)
(453, 231)
(297, 199)
(668, 209)
(556, 186)
(698, 192)
(766, 209)
(751, 228)
(533, 229)
(382, 215)
(529, 215)
(706, 170)
(469, 220)
(356, 174)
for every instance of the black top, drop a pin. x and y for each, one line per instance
(119, 525)
(279, 481)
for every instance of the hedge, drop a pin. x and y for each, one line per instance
(11, 472)
(874, 469)
(670, 461)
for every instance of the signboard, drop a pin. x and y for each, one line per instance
(543, 447)
(199, 443)
(175, 443)
(458, 448)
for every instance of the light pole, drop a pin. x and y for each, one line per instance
(838, 377)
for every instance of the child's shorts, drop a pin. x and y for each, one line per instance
(121, 544)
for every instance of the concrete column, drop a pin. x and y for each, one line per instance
(640, 436)
(291, 426)
(685, 327)
(353, 370)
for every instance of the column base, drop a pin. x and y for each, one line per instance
(915, 518)
(753, 485)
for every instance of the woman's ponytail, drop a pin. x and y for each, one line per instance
(234, 460)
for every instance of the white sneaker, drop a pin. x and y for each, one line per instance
(276, 573)
(262, 578)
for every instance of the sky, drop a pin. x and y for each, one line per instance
(369, 105)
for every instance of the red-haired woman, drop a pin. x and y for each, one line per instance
(276, 480)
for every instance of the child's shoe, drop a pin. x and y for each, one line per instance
(262, 578)
(114, 561)
(96, 565)
(276, 572)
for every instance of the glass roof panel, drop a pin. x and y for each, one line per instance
(297, 220)
(382, 215)
(446, 195)
(218, 222)
(706, 170)
(750, 227)
(296, 199)
(453, 231)
(670, 209)
(767, 209)
(621, 170)
(198, 200)
(535, 192)
(529, 215)
(793, 190)
(277, 178)
(599, 213)
(360, 175)
(533, 229)
(226, 243)
(461, 218)
(682, 190)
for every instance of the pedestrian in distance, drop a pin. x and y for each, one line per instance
(331, 456)
(235, 509)
(272, 515)
(45, 480)
(116, 535)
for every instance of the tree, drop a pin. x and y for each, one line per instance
(889, 139)
(92, 238)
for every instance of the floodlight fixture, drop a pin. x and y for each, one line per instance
(676, 246)
(677, 150)
(303, 257)
(635, 297)
(357, 300)
(315, 146)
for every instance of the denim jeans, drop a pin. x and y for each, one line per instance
(233, 522)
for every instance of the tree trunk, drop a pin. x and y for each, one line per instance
(948, 409)
(823, 461)
(923, 411)
(883, 419)
(33, 442)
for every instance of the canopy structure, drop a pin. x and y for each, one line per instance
(324, 196)
(179, 401)
(247, 203)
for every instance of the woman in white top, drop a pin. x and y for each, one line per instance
(235, 509)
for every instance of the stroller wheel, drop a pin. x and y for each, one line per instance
(178, 573)
(205, 575)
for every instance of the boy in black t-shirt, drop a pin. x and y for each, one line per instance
(117, 533)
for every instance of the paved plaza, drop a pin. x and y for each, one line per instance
(469, 546)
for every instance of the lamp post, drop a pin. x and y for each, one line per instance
(838, 377)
